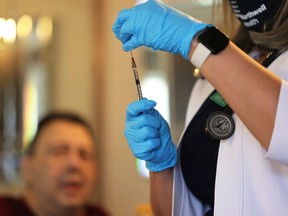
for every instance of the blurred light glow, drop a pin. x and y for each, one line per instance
(44, 29)
(203, 2)
(9, 31)
(142, 170)
(143, 1)
(30, 112)
(140, 1)
(24, 26)
(155, 88)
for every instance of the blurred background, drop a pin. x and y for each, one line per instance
(62, 55)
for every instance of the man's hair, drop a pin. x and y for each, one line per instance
(52, 117)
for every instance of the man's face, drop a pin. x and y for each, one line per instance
(62, 170)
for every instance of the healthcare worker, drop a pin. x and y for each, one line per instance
(232, 158)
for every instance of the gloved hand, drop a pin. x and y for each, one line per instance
(148, 136)
(154, 24)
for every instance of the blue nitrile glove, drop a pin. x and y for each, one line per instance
(148, 136)
(156, 25)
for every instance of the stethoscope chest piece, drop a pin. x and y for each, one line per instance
(220, 125)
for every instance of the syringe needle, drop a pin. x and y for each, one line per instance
(136, 76)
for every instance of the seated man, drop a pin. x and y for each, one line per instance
(59, 171)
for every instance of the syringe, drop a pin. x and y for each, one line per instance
(136, 76)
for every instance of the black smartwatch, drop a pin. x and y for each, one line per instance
(211, 40)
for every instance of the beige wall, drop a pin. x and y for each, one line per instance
(92, 76)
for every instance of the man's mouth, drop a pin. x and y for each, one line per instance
(71, 188)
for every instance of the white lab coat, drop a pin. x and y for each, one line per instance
(249, 180)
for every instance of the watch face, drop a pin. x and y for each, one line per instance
(213, 39)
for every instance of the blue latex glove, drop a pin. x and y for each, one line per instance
(156, 25)
(148, 136)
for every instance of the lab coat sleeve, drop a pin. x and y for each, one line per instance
(278, 149)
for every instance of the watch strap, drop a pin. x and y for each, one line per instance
(200, 55)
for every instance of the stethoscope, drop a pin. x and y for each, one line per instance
(220, 125)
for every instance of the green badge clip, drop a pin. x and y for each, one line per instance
(218, 99)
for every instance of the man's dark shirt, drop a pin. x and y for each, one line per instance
(10, 206)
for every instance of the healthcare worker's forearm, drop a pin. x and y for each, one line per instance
(250, 89)
(161, 184)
